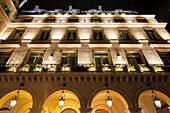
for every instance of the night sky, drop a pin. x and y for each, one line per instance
(161, 8)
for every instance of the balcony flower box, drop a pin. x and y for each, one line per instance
(119, 68)
(25, 68)
(13, 68)
(38, 68)
(92, 67)
(157, 68)
(143, 68)
(65, 68)
(106, 68)
(51, 68)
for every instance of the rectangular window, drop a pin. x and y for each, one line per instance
(165, 57)
(96, 20)
(151, 35)
(134, 58)
(6, 9)
(73, 20)
(50, 20)
(17, 35)
(98, 35)
(44, 35)
(27, 20)
(142, 20)
(71, 35)
(124, 35)
(101, 58)
(4, 56)
(119, 20)
(69, 59)
(35, 58)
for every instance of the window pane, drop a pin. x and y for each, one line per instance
(71, 61)
(64, 60)
(97, 60)
(139, 61)
(30, 60)
(105, 60)
(131, 60)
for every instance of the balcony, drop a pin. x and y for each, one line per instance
(141, 68)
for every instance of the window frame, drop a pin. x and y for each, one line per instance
(40, 33)
(100, 52)
(72, 31)
(69, 52)
(14, 33)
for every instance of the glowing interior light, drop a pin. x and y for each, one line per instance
(61, 102)
(157, 102)
(109, 102)
(50, 58)
(13, 102)
(119, 58)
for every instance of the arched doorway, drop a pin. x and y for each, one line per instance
(146, 102)
(71, 103)
(23, 105)
(99, 103)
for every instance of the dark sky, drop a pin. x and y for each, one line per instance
(161, 8)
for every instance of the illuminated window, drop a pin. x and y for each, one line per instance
(98, 35)
(68, 58)
(101, 58)
(44, 35)
(135, 58)
(165, 56)
(71, 35)
(35, 58)
(17, 35)
(4, 56)
(96, 20)
(125, 35)
(151, 34)
(119, 20)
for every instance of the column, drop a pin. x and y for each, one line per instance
(85, 110)
(135, 110)
(35, 110)
(84, 55)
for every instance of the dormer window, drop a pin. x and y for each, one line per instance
(50, 20)
(142, 20)
(71, 35)
(119, 20)
(96, 20)
(72, 20)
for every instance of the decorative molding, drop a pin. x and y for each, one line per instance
(85, 77)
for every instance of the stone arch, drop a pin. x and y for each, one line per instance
(29, 90)
(161, 93)
(123, 96)
(145, 100)
(23, 105)
(53, 90)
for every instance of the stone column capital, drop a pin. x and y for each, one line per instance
(134, 110)
(85, 110)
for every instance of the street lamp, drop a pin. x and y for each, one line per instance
(16, 97)
(50, 58)
(108, 97)
(62, 97)
(119, 57)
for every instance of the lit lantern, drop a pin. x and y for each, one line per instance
(109, 102)
(119, 58)
(61, 102)
(13, 102)
(50, 58)
(157, 102)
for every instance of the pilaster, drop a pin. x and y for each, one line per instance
(135, 110)
(85, 110)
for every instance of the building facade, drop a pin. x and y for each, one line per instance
(84, 57)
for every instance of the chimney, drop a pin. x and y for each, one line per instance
(70, 7)
(99, 8)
